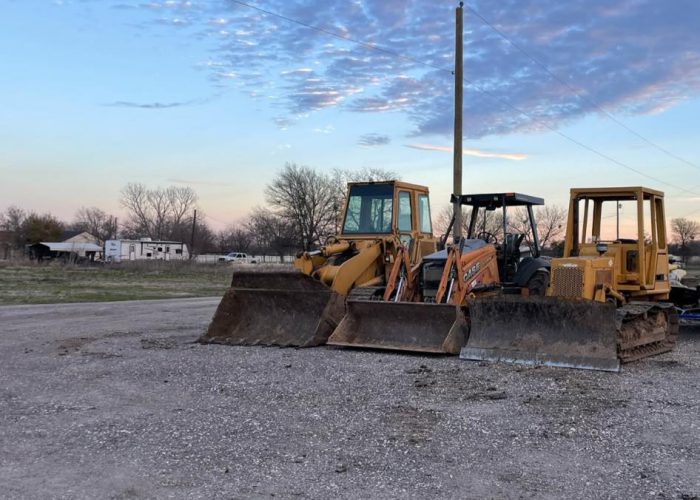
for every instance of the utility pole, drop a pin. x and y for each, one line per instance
(194, 226)
(457, 153)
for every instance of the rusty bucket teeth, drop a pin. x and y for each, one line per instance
(279, 308)
(407, 326)
(543, 331)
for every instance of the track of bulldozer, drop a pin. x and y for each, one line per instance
(645, 329)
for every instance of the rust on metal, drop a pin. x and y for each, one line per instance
(543, 331)
(282, 308)
(403, 326)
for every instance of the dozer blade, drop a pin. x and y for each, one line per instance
(283, 308)
(403, 326)
(543, 331)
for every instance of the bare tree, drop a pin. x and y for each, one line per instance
(235, 238)
(183, 201)
(271, 233)
(204, 239)
(11, 220)
(134, 198)
(551, 224)
(684, 230)
(684, 233)
(306, 199)
(96, 222)
(441, 221)
(158, 213)
(488, 221)
(159, 206)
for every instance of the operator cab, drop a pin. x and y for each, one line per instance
(389, 209)
(512, 248)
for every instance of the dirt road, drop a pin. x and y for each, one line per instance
(115, 400)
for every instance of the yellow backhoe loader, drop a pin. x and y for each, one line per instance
(301, 307)
(607, 299)
(425, 306)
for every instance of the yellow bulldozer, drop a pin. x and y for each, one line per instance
(302, 307)
(607, 299)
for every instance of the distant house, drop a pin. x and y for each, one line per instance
(145, 249)
(79, 237)
(52, 250)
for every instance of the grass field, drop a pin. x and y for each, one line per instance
(53, 283)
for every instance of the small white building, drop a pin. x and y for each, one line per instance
(145, 249)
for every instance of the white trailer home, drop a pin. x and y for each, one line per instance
(145, 249)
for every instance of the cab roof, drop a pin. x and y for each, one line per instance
(497, 200)
(393, 182)
(615, 193)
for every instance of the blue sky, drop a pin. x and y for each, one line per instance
(217, 95)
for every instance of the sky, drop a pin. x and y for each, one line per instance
(220, 94)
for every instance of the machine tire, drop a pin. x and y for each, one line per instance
(539, 282)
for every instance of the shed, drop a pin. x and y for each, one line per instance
(52, 250)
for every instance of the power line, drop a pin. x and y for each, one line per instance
(577, 94)
(213, 218)
(577, 142)
(473, 85)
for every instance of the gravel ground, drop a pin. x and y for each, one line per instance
(114, 400)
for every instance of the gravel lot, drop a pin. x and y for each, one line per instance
(114, 400)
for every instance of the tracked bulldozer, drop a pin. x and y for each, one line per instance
(425, 307)
(300, 307)
(607, 300)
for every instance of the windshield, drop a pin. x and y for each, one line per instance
(369, 209)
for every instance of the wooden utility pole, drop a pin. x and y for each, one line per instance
(457, 153)
(194, 227)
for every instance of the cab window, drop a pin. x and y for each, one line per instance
(426, 225)
(404, 211)
(369, 209)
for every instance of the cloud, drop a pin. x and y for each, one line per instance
(629, 56)
(480, 153)
(370, 140)
(163, 105)
(148, 105)
(197, 183)
(328, 129)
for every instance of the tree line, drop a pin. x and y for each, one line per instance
(302, 209)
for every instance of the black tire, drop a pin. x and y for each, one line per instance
(538, 283)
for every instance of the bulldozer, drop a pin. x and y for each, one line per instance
(301, 307)
(607, 301)
(424, 307)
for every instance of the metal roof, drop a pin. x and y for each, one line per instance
(616, 193)
(497, 200)
(71, 247)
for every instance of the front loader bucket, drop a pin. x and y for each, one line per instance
(283, 308)
(543, 331)
(403, 326)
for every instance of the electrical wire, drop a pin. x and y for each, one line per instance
(472, 84)
(575, 92)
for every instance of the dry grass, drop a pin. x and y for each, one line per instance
(31, 283)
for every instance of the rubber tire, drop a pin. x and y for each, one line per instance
(539, 282)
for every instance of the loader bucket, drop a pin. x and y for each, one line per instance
(403, 326)
(543, 331)
(283, 308)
